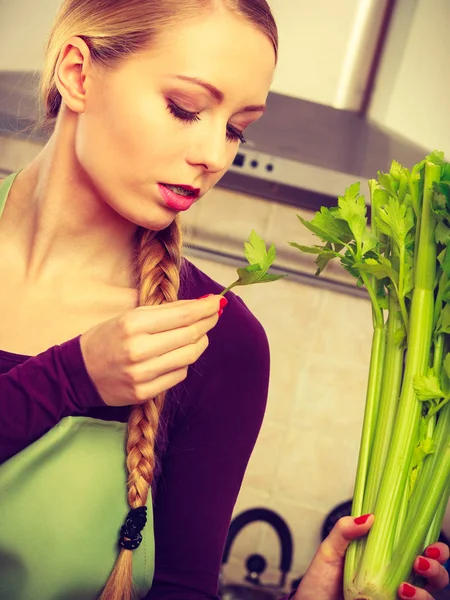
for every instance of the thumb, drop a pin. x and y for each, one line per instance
(347, 529)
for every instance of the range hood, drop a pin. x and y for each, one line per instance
(305, 154)
(300, 153)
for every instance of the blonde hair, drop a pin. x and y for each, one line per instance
(114, 30)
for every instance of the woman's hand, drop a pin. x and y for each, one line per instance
(146, 351)
(324, 578)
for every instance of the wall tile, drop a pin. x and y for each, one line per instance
(332, 399)
(343, 330)
(225, 219)
(317, 468)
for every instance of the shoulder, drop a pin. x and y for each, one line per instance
(235, 367)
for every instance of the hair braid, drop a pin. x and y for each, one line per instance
(158, 266)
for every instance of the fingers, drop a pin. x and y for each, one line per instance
(151, 389)
(439, 552)
(406, 590)
(347, 529)
(166, 317)
(433, 571)
(430, 568)
(171, 361)
(146, 346)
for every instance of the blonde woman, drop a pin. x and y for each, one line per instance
(121, 465)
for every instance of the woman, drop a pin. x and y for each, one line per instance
(149, 101)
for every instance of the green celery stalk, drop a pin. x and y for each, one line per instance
(377, 557)
(370, 413)
(420, 520)
(392, 378)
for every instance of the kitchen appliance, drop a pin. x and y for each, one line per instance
(253, 588)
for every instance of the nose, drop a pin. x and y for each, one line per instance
(211, 150)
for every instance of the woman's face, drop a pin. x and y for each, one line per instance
(173, 115)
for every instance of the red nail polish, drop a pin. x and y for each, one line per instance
(423, 564)
(434, 553)
(361, 520)
(220, 313)
(408, 590)
(207, 296)
(223, 302)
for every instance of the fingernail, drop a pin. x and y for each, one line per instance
(434, 553)
(423, 564)
(407, 590)
(207, 296)
(361, 520)
(223, 302)
(220, 313)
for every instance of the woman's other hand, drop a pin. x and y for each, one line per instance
(324, 578)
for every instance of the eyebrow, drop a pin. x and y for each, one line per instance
(217, 94)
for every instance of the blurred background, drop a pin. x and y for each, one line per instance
(359, 83)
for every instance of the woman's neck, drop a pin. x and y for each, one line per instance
(61, 221)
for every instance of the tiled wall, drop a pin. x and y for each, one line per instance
(305, 459)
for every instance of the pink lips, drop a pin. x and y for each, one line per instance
(177, 201)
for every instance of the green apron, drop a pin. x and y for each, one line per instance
(62, 503)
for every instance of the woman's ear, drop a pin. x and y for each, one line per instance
(73, 65)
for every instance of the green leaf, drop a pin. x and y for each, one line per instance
(369, 242)
(323, 259)
(327, 227)
(388, 183)
(445, 172)
(255, 249)
(421, 451)
(352, 210)
(260, 260)
(442, 233)
(307, 249)
(443, 324)
(427, 387)
(436, 157)
(445, 375)
(400, 336)
(446, 364)
(395, 219)
(268, 277)
(381, 268)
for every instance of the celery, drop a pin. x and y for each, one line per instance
(403, 260)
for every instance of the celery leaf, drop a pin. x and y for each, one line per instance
(381, 268)
(443, 324)
(327, 227)
(442, 233)
(352, 210)
(260, 260)
(427, 387)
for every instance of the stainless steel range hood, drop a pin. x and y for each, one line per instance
(305, 154)
(299, 153)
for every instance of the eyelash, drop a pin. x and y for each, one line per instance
(191, 117)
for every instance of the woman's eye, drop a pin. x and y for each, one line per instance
(234, 135)
(186, 116)
(182, 115)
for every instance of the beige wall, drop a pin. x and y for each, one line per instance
(412, 92)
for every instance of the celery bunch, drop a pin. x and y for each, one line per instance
(403, 260)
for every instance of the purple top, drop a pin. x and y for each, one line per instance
(208, 430)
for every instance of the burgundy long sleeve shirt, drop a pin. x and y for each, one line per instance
(208, 429)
